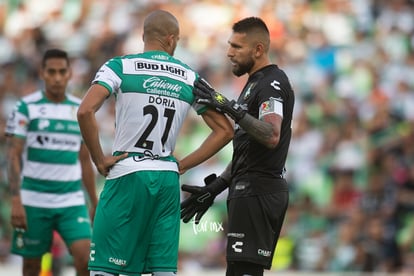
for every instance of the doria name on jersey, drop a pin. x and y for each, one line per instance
(153, 96)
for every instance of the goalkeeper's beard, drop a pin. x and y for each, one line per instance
(240, 69)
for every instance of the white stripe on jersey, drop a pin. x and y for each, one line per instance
(108, 76)
(48, 200)
(53, 111)
(43, 171)
(128, 165)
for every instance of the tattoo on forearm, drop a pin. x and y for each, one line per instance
(13, 168)
(259, 130)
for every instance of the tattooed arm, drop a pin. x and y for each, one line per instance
(266, 131)
(15, 148)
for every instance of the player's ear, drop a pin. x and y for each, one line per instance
(172, 40)
(259, 50)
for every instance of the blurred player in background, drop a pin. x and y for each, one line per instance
(47, 165)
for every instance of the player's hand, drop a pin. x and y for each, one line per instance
(18, 215)
(201, 198)
(205, 94)
(109, 162)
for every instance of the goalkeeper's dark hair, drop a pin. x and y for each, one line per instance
(54, 53)
(254, 27)
(250, 25)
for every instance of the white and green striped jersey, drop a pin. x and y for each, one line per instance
(51, 172)
(153, 92)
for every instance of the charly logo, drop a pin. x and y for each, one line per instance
(264, 253)
(117, 261)
(92, 252)
(236, 246)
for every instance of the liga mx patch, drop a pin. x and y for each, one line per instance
(273, 105)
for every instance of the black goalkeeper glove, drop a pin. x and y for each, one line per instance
(201, 197)
(205, 94)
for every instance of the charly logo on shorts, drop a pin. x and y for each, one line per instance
(264, 253)
(236, 246)
(117, 261)
(92, 252)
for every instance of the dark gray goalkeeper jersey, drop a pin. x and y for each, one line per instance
(257, 169)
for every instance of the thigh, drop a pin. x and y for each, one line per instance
(163, 246)
(254, 227)
(37, 239)
(111, 225)
(73, 224)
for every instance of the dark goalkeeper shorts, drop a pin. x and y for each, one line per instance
(254, 227)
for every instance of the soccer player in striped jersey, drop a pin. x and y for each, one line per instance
(48, 164)
(136, 227)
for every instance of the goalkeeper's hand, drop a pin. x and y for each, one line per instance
(205, 94)
(201, 198)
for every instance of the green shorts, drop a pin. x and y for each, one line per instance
(72, 223)
(137, 224)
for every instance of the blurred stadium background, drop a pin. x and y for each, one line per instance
(351, 162)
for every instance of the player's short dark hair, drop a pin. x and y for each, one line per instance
(54, 53)
(250, 25)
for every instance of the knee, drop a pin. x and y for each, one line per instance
(80, 261)
(80, 253)
(31, 267)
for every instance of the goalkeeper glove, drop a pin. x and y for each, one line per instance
(205, 94)
(201, 197)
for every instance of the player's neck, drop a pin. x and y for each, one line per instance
(55, 98)
(259, 65)
(148, 47)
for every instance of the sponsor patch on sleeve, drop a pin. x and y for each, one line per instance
(273, 105)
